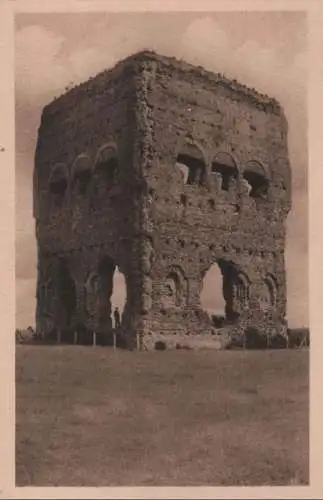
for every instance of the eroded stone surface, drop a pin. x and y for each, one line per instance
(162, 169)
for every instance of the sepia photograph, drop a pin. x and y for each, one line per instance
(161, 193)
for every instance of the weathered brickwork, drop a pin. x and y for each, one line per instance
(162, 169)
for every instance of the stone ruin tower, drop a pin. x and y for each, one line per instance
(162, 169)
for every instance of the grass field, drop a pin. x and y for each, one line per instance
(97, 417)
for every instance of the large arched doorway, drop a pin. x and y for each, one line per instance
(212, 299)
(225, 292)
(118, 296)
(106, 295)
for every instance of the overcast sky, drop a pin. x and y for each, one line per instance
(266, 50)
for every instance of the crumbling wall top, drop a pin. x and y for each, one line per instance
(129, 65)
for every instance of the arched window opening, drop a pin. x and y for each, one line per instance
(225, 168)
(190, 161)
(58, 184)
(81, 174)
(109, 170)
(184, 169)
(254, 175)
(82, 182)
(107, 165)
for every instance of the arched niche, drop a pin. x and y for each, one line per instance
(81, 174)
(268, 293)
(256, 179)
(271, 284)
(106, 164)
(58, 181)
(174, 288)
(242, 290)
(191, 163)
(225, 168)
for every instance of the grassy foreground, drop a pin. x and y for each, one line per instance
(97, 417)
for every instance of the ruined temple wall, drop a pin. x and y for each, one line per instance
(208, 225)
(105, 220)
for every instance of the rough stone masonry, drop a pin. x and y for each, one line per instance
(161, 169)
